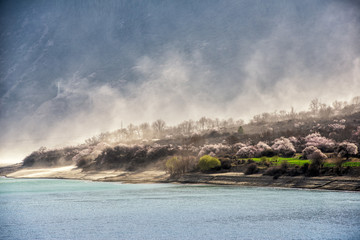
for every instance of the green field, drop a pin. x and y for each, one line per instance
(346, 164)
(299, 162)
(278, 160)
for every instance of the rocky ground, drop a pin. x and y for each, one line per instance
(326, 183)
(343, 183)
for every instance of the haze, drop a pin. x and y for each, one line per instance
(72, 69)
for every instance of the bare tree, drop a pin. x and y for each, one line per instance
(202, 123)
(210, 124)
(314, 106)
(186, 127)
(131, 131)
(145, 130)
(283, 114)
(217, 123)
(159, 127)
(292, 114)
(337, 106)
(348, 109)
(224, 125)
(325, 111)
(239, 122)
(356, 100)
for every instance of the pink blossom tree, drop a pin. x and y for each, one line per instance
(346, 149)
(308, 151)
(247, 152)
(317, 156)
(262, 149)
(322, 143)
(283, 147)
(214, 149)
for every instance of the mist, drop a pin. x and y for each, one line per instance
(73, 69)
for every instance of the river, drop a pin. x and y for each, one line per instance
(71, 209)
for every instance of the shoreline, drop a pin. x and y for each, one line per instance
(338, 183)
(258, 180)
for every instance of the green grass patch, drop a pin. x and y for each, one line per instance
(296, 161)
(351, 164)
(346, 164)
(299, 162)
(329, 165)
(278, 160)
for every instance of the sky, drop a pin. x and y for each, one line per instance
(72, 69)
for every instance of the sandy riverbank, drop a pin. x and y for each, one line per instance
(72, 172)
(155, 176)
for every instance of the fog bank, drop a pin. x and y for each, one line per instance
(72, 69)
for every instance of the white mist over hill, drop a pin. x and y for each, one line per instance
(72, 69)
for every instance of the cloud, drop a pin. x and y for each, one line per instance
(173, 61)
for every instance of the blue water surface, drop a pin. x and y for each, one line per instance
(70, 209)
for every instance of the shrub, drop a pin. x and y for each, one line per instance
(83, 161)
(246, 152)
(314, 170)
(338, 166)
(214, 149)
(293, 140)
(264, 161)
(284, 165)
(262, 149)
(225, 163)
(314, 154)
(156, 152)
(207, 162)
(346, 149)
(304, 168)
(179, 165)
(251, 169)
(275, 171)
(317, 156)
(238, 146)
(283, 147)
(322, 143)
(232, 139)
(132, 157)
(336, 126)
(249, 161)
(213, 134)
(308, 151)
(293, 171)
(49, 158)
(317, 162)
(174, 166)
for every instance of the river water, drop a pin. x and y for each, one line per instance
(70, 209)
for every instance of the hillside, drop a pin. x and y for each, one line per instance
(335, 140)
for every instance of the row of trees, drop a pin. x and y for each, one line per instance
(285, 147)
(159, 129)
(317, 109)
